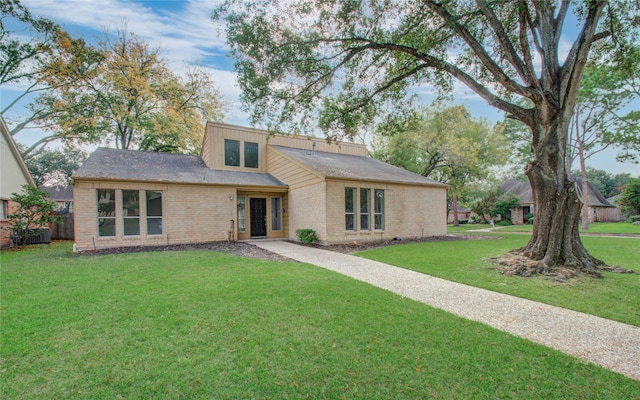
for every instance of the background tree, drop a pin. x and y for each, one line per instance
(630, 199)
(608, 184)
(51, 167)
(444, 143)
(46, 62)
(35, 210)
(599, 121)
(344, 63)
(134, 101)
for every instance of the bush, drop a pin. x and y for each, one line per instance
(504, 222)
(306, 236)
(633, 218)
(529, 218)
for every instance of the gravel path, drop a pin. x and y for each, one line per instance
(612, 345)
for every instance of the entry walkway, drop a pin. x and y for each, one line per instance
(612, 345)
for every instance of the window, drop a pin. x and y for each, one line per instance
(242, 214)
(131, 212)
(364, 209)
(378, 209)
(154, 212)
(5, 209)
(106, 212)
(350, 209)
(251, 155)
(276, 213)
(232, 153)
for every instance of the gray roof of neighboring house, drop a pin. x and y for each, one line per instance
(346, 166)
(523, 191)
(131, 165)
(59, 193)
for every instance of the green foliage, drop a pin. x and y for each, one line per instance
(483, 206)
(34, 211)
(630, 198)
(306, 236)
(529, 218)
(443, 143)
(503, 205)
(608, 184)
(633, 218)
(133, 100)
(54, 167)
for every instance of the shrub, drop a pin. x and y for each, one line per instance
(306, 236)
(35, 210)
(529, 218)
(633, 218)
(504, 222)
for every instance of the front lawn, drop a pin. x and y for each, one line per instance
(614, 228)
(614, 297)
(200, 324)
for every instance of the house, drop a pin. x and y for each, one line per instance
(600, 210)
(464, 214)
(13, 174)
(249, 184)
(62, 195)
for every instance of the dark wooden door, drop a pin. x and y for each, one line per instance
(258, 215)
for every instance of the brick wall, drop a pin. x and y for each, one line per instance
(191, 214)
(308, 209)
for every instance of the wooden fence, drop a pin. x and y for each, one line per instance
(64, 229)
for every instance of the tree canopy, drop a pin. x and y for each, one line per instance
(342, 64)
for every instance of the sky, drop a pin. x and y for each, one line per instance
(186, 35)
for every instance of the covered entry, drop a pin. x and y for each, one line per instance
(262, 215)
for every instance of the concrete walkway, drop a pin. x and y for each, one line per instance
(612, 345)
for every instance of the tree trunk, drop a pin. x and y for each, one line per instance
(555, 241)
(585, 190)
(454, 207)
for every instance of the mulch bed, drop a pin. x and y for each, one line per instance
(244, 249)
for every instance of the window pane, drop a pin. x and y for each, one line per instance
(130, 203)
(106, 226)
(349, 206)
(154, 212)
(276, 214)
(232, 153)
(106, 212)
(378, 207)
(242, 214)
(132, 226)
(251, 155)
(154, 204)
(154, 226)
(364, 209)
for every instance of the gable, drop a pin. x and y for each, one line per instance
(14, 172)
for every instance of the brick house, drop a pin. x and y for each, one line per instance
(600, 209)
(249, 184)
(14, 174)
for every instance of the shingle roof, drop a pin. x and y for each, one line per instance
(346, 166)
(523, 191)
(131, 165)
(59, 193)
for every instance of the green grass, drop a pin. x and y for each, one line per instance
(614, 228)
(209, 325)
(614, 297)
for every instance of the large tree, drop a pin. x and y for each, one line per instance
(343, 63)
(447, 144)
(134, 101)
(37, 58)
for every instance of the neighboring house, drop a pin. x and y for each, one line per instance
(464, 214)
(13, 174)
(62, 195)
(600, 210)
(249, 184)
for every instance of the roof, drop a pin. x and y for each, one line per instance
(346, 166)
(16, 153)
(59, 193)
(129, 165)
(523, 191)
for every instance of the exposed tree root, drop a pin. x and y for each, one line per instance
(514, 263)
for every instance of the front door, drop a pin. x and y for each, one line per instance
(258, 215)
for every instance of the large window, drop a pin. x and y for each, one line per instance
(378, 209)
(276, 213)
(154, 212)
(131, 212)
(242, 214)
(251, 155)
(232, 153)
(365, 216)
(350, 209)
(4, 211)
(106, 212)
